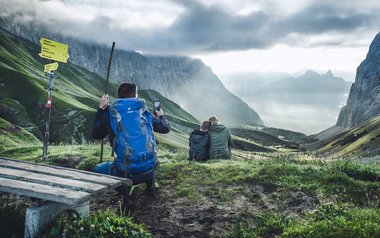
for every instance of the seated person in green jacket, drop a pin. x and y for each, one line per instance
(220, 140)
(199, 143)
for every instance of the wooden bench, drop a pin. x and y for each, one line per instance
(61, 188)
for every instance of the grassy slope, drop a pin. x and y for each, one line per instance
(22, 80)
(23, 90)
(12, 136)
(360, 141)
(262, 138)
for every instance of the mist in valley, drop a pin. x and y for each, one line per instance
(309, 103)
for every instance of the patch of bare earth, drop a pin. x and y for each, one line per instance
(169, 216)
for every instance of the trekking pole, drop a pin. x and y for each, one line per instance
(106, 92)
(48, 112)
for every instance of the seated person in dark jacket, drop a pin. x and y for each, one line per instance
(199, 143)
(127, 92)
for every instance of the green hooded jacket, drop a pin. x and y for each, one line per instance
(220, 142)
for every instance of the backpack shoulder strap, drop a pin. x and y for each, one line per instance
(143, 102)
(114, 113)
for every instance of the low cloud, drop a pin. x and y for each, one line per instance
(193, 27)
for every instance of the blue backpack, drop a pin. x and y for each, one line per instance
(134, 142)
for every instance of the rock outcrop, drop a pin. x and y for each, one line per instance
(364, 100)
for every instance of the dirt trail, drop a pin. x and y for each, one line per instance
(170, 216)
(167, 216)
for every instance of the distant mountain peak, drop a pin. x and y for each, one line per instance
(311, 73)
(374, 48)
(329, 73)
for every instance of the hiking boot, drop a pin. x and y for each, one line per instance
(151, 188)
(152, 192)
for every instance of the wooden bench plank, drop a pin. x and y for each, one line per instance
(77, 185)
(109, 181)
(45, 192)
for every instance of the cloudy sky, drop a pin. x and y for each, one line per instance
(228, 35)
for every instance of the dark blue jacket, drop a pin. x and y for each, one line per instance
(199, 143)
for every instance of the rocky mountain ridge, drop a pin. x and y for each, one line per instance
(182, 79)
(364, 99)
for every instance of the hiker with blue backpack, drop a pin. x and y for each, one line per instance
(130, 126)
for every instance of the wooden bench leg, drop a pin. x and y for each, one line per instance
(38, 218)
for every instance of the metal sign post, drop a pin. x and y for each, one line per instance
(48, 112)
(57, 51)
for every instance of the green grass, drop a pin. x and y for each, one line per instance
(328, 220)
(332, 220)
(359, 142)
(343, 196)
(12, 137)
(99, 224)
(338, 181)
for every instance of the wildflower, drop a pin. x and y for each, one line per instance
(81, 229)
(92, 226)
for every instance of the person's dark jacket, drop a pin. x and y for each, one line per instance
(220, 142)
(199, 145)
(102, 127)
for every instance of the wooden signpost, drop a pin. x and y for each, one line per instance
(55, 51)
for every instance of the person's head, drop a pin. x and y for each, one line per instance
(205, 126)
(127, 90)
(213, 120)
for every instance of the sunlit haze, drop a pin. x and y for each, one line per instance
(342, 61)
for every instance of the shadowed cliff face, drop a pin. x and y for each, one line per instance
(364, 100)
(189, 82)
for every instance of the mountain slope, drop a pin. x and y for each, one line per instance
(184, 80)
(364, 100)
(360, 141)
(12, 136)
(76, 92)
(357, 131)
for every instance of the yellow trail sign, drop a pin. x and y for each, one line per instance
(54, 50)
(51, 67)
